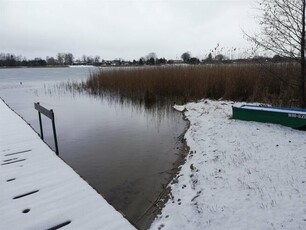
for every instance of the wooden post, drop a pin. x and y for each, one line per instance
(49, 114)
(54, 132)
(40, 125)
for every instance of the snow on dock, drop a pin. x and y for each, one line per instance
(39, 191)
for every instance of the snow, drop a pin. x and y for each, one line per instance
(179, 108)
(272, 109)
(56, 194)
(238, 175)
(82, 66)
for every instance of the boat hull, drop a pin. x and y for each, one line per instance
(294, 118)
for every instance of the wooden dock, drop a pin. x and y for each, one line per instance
(40, 191)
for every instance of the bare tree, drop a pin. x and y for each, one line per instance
(89, 60)
(50, 61)
(283, 33)
(151, 55)
(97, 59)
(186, 56)
(68, 59)
(220, 57)
(60, 58)
(84, 59)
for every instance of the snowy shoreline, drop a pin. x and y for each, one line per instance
(238, 175)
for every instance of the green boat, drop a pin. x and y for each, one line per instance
(291, 117)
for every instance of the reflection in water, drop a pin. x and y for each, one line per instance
(126, 151)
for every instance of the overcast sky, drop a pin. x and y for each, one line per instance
(127, 29)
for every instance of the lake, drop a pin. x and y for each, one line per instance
(127, 152)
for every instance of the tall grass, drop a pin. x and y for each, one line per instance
(265, 83)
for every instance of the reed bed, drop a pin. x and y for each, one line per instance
(264, 83)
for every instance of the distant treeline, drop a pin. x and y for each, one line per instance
(65, 59)
(11, 60)
(61, 59)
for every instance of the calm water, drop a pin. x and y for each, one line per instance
(125, 152)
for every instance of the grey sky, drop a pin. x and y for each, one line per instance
(125, 29)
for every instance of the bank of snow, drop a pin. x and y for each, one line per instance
(239, 175)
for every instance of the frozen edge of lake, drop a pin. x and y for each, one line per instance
(238, 175)
(40, 191)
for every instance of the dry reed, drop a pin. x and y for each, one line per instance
(265, 83)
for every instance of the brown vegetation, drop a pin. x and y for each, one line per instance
(265, 83)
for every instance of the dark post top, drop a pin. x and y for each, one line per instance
(44, 111)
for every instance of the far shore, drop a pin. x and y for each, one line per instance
(19, 67)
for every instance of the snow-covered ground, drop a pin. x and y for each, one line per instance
(39, 191)
(239, 174)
